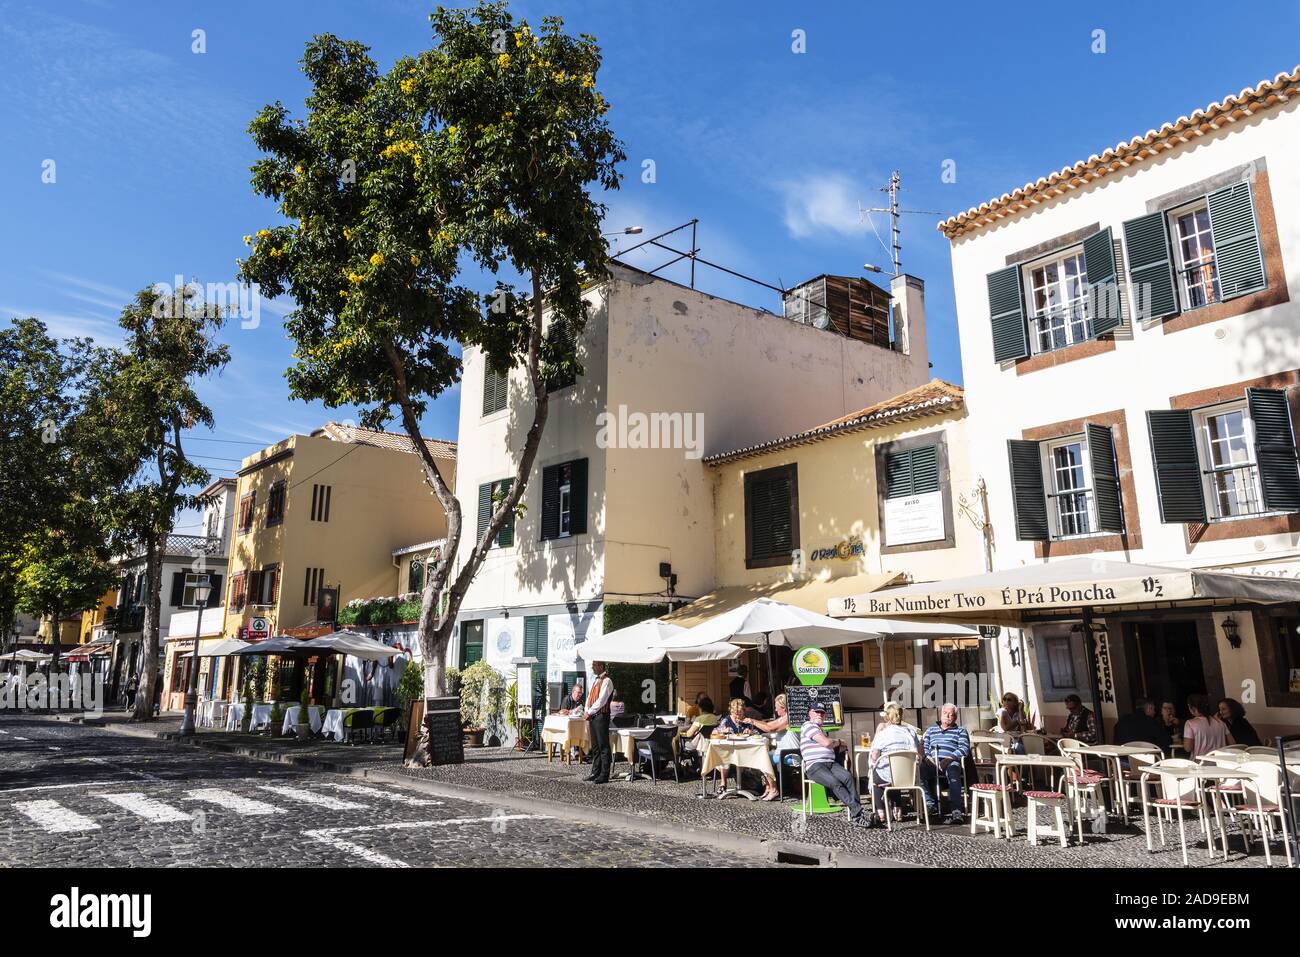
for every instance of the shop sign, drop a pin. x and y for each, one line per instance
(259, 628)
(846, 550)
(811, 665)
(913, 519)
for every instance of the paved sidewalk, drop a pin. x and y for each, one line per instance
(529, 781)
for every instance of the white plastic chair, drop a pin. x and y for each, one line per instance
(903, 777)
(1262, 801)
(1178, 795)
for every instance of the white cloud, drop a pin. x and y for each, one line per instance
(822, 202)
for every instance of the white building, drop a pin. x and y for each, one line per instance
(1131, 358)
(186, 558)
(620, 505)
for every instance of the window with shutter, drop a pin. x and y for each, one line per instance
(178, 590)
(214, 596)
(1275, 449)
(564, 500)
(536, 646)
(1059, 309)
(489, 495)
(495, 389)
(1007, 315)
(564, 345)
(1239, 260)
(1150, 267)
(471, 643)
(912, 472)
(275, 503)
(1027, 495)
(246, 506)
(771, 516)
(237, 591)
(1177, 466)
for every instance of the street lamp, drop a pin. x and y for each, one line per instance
(202, 589)
(625, 231)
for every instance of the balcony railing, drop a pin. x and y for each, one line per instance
(124, 619)
(188, 545)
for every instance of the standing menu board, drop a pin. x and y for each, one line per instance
(800, 697)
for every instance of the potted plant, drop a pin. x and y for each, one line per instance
(303, 727)
(482, 691)
(409, 688)
(247, 721)
(277, 720)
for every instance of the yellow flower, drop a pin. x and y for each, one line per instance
(418, 160)
(503, 60)
(415, 261)
(298, 169)
(451, 131)
(248, 240)
(347, 233)
(343, 293)
(588, 81)
(377, 259)
(408, 86)
(263, 233)
(507, 114)
(559, 77)
(444, 236)
(275, 252)
(355, 277)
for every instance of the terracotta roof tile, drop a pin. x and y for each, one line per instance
(1186, 128)
(936, 395)
(398, 441)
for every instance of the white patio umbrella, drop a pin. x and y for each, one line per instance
(643, 644)
(350, 643)
(767, 620)
(26, 654)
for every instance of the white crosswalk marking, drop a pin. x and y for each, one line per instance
(321, 800)
(53, 817)
(246, 807)
(146, 807)
(393, 796)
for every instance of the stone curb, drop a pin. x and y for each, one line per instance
(773, 851)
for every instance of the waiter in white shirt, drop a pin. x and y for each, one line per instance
(597, 713)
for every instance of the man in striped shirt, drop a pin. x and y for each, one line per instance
(818, 752)
(947, 745)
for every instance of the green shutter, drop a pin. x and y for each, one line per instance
(1238, 259)
(1007, 315)
(484, 509)
(769, 509)
(1027, 495)
(550, 502)
(1275, 449)
(1150, 267)
(178, 589)
(1103, 282)
(535, 646)
(925, 470)
(471, 643)
(506, 537)
(578, 498)
(495, 386)
(1178, 467)
(1105, 478)
(898, 474)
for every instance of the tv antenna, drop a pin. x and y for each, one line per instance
(895, 185)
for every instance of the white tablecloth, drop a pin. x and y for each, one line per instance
(333, 725)
(291, 718)
(750, 754)
(261, 717)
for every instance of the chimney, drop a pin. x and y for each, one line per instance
(909, 321)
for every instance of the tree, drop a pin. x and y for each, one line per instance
(482, 147)
(53, 556)
(143, 400)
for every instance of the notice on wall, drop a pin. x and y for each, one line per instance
(912, 519)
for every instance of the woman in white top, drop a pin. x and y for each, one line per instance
(891, 737)
(1203, 732)
(1012, 721)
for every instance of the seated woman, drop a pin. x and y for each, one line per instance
(1233, 715)
(788, 741)
(892, 737)
(735, 722)
(1012, 721)
(702, 726)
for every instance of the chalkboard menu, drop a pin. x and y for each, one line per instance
(799, 698)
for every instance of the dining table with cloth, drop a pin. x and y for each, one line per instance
(567, 730)
(291, 718)
(751, 752)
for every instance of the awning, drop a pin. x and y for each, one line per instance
(279, 645)
(349, 643)
(811, 595)
(1017, 595)
(27, 655)
(228, 647)
(94, 649)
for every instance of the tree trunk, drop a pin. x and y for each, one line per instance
(147, 687)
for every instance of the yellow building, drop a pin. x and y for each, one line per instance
(94, 618)
(882, 495)
(323, 514)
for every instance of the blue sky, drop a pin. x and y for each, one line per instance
(772, 150)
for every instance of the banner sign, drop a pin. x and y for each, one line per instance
(913, 519)
(1097, 594)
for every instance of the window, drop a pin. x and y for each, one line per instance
(1198, 281)
(313, 581)
(275, 504)
(495, 389)
(771, 516)
(471, 643)
(415, 576)
(490, 495)
(848, 661)
(1060, 663)
(557, 381)
(238, 595)
(912, 472)
(1227, 447)
(214, 523)
(1058, 302)
(264, 585)
(180, 674)
(564, 500)
(320, 502)
(1069, 488)
(1287, 653)
(214, 595)
(246, 505)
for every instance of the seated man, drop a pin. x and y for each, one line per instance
(1141, 725)
(818, 752)
(573, 704)
(1080, 724)
(947, 745)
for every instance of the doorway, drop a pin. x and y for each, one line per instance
(1165, 662)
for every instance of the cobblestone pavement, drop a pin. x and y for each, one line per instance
(78, 796)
